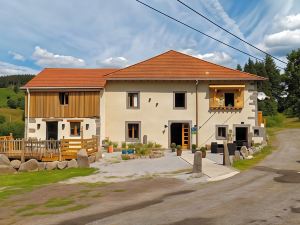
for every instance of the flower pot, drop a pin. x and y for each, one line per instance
(173, 149)
(179, 152)
(203, 154)
(110, 149)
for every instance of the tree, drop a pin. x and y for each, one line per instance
(250, 67)
(292, 81)
(239, 67)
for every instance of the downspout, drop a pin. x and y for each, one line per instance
(197, 126)
(28, 110)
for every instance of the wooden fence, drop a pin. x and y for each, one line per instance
(46, 150)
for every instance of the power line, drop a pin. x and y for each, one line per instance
(207, 35)
(200, 14)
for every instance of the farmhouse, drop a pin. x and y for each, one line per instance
(170, 98)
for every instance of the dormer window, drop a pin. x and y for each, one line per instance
(63, 98)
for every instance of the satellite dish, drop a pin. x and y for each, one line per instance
(262, 96)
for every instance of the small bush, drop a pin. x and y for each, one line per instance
(275, 121)
(124, 145)
(16, 128)
(2, 119)
(157, 145)
(115, 144)
(12, 103)
(150, 144)
(194, 147)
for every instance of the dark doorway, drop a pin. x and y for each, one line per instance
(51, 132)
(241, 136)
(176, 133)
(180, 134)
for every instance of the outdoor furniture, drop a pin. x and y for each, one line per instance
(231, 148)
(214, 147)
(220, 148)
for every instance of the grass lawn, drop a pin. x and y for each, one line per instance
(278, 123)
(12, 115)
(19, 183)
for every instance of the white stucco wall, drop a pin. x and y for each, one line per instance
(156, 110)
(33, 132)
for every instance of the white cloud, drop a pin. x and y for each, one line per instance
(11, 69)
(221, 58)
(113, 62)
(16, 56)
(45, 58)
(291, 22)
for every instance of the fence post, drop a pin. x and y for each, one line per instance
(23, 151)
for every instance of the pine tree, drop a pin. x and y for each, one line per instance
(239, 67)
(292, 81)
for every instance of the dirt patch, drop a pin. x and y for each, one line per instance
(35, 204)
(287, 176)
(295, 210)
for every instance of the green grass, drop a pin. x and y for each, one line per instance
(58, 202)
(27, 208)
(275, 123)
(8, 92)
(19, 183)
(12, 115)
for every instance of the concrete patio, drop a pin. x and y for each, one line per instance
(113, 169)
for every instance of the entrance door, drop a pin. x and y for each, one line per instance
(52, 130)
(180, 134)
(185, 135)
(241, 136)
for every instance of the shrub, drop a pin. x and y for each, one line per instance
(173, 145)
(150, 144)
(12, 103)
(178, 147)
(142, 151)
(2, 119)
(194, 147)
(115, 144)
(16, 128)
(275, 121)
(157, 145)
(125, 157)
(124, 145)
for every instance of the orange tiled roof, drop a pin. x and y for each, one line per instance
(174, 65)
(65, 77)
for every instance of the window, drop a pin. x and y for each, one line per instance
(133, 131)
(63, 126)
(256, 132)
(38, 126)
(64, 98)
(75, 128)
(229, 99)
(180, 100)
(221, 132)
(87, 126)
(133, 100)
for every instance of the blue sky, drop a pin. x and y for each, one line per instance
(116, 33)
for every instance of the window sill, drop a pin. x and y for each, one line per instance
(179, 108)
(221, 138)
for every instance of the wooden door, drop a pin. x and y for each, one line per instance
(185, 136)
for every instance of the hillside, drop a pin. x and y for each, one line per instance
(8, 93)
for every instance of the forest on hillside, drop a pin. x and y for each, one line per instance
(12, 104)
(283, 89)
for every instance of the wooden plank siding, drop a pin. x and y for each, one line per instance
(82, 104)
(217, 100)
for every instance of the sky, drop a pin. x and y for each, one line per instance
(117, 33)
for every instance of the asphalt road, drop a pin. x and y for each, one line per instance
(266, 194)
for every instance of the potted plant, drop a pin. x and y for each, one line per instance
(173, 147)
(110, 148)
(194, 148)
(203, 151)
(179, 150)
